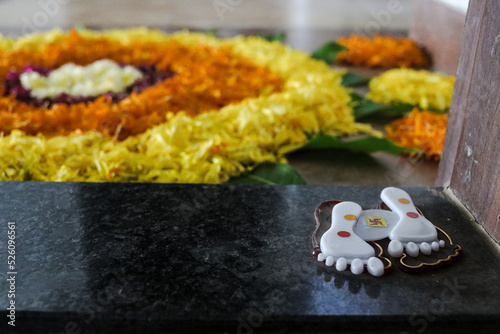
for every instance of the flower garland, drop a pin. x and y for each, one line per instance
(420, 88)
(206, 124)
(423, 130)
(382, 51)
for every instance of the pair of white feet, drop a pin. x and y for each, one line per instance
(345, 242)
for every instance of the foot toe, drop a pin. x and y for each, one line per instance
(375, 266)
(425, 248)
(441, 243)
(412, 249)
(341, 264)
(321, 257)
(395, 248)
(329, 261)
(357, 266)
(435, 246)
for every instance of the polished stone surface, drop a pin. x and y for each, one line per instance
(147, 258)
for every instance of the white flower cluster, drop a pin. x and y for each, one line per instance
(92, 80)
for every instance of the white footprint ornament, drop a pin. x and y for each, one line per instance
(349, 241)
(413, 231)
(342, 247)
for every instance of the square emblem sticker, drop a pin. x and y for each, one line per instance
(375, 221)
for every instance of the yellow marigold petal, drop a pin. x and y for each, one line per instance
(420, 88)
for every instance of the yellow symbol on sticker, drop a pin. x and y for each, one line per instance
(375, 221)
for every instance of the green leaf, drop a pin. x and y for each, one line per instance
(270, 173)
(365, 107)
(328, 52)
(279, 36)
(366, 144)
(80, 27)
(354, 80)
(212, 32)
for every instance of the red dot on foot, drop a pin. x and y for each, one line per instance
(412, 214)
(343, 234)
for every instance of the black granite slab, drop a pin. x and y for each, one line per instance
(158, 258)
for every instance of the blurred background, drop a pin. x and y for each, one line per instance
(327, 18)
(436, 24)
(205, 14)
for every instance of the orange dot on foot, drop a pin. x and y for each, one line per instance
(403, 200)
(350, 217)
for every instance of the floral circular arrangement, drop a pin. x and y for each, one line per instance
(199, 108)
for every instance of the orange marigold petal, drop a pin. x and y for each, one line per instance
(423, 130)
(382, 51)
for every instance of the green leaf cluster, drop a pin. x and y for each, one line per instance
(278, 174)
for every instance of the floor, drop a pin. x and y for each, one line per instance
(208, 14)
(327, 18)
(308, 24)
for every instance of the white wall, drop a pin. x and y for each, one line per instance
(460, 5)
